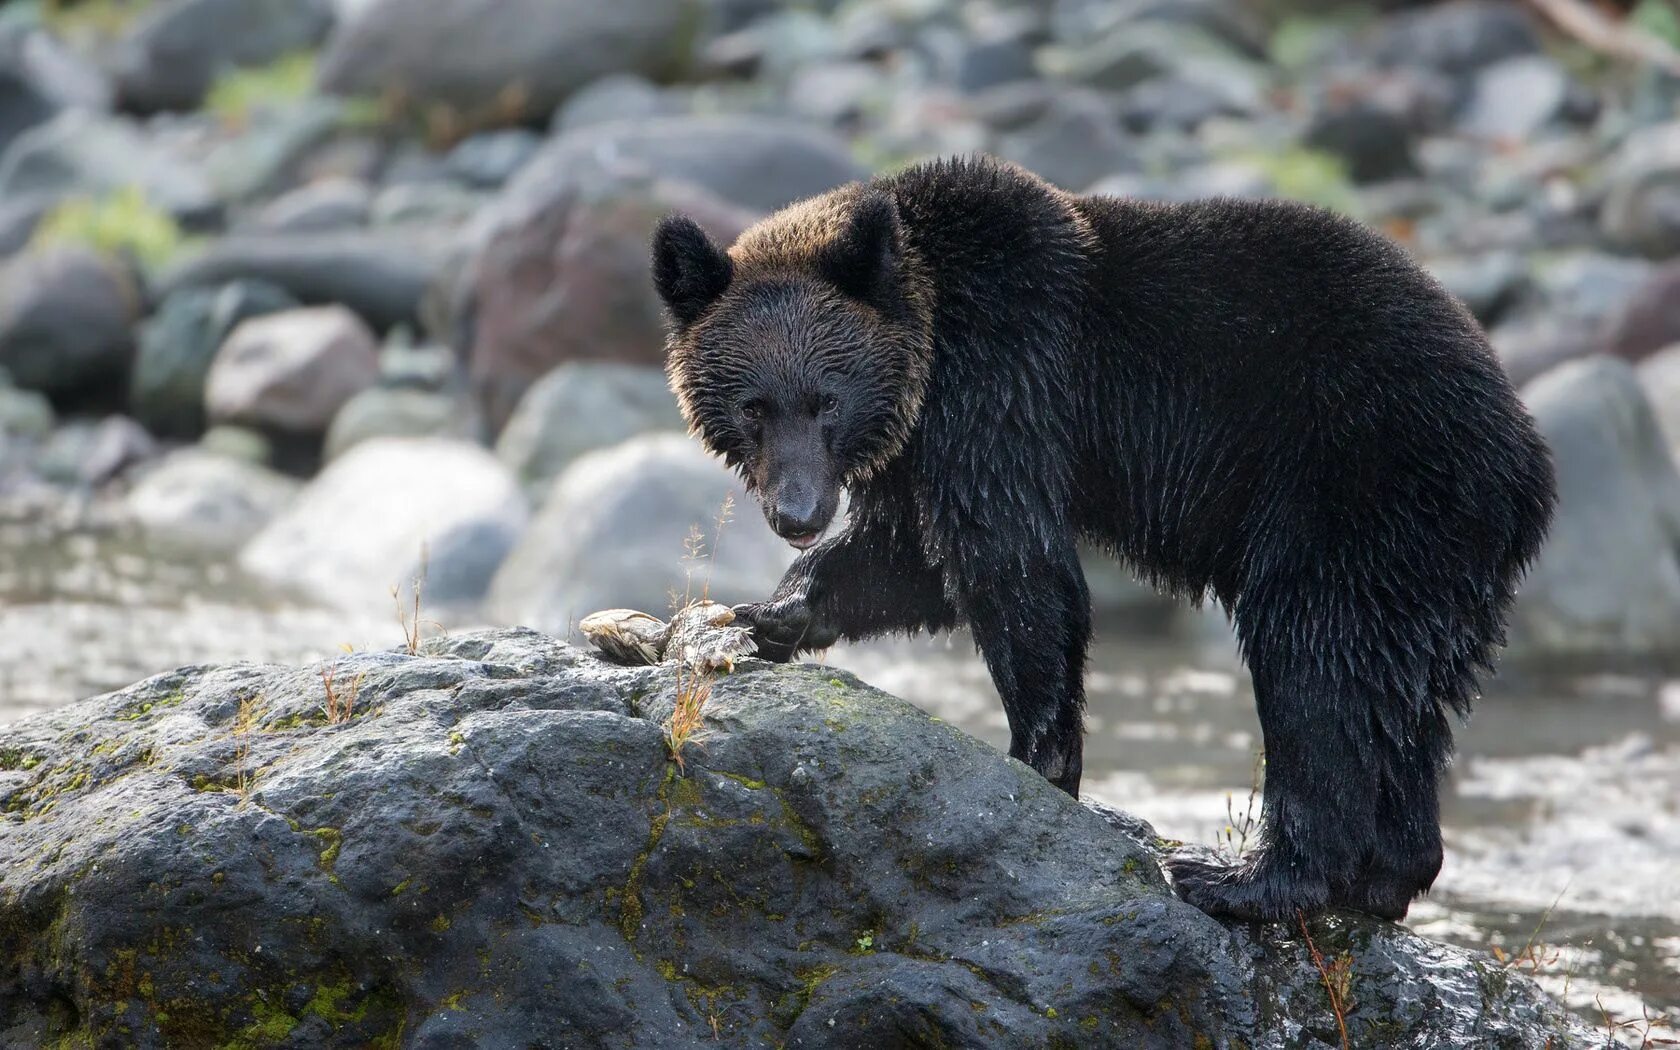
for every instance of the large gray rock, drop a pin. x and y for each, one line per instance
(1641, 210)
(291, 370)
(172, 53)
(1659, 374)
(382, 276)
(612, 533)
(1607, 582)
(578, 408)
(201, 501)
(496, 849)
(503, 58)
(177, 344)
(1458, 37)
(388, 511)
(40, 78)
(758, 163)
(65, 315)
(1649, 319)
(558, 271)
(395, 411)
(80, 152)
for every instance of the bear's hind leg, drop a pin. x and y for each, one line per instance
(1320, 699)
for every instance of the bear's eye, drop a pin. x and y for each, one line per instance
(752, 411)
(829, 404)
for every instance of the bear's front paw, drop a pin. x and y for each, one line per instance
(784, 628)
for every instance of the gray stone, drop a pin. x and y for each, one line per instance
(382, 275)
(506, 58)
(383, 411)
(826, 868)
(90, 454)
(1374, 142)
(616, 97)
(1607, 582)
(1488, 284)
(268, 153)
(1647, 320)
(1077, 141)
(79, 152)
(40, 78)
(558, 271)
(490, 158)
(245, 444)
(386, 512)
(1457, 37)
(201, 501)
(291, 370)
(177, 344)
(1515, 98)
(578, 408)
(426, 205)
(65, 315)
(174, 50)
(25, 413)
(330, 204)
(612, 530)
(1641, 210)
(1659, 374)
(756, 162)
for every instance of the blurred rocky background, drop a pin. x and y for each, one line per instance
(302, 302)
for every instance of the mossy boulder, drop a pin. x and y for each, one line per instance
(495, 848)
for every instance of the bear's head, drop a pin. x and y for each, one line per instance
(802, 353)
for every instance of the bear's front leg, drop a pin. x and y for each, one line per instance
(1030, 614)
(870, 580)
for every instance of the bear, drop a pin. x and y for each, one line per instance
(1256, 402)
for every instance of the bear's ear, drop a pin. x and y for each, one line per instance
(865, 260)
(688, 269)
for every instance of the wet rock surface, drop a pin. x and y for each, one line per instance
(495, 846)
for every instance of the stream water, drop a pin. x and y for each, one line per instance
(1562, 817)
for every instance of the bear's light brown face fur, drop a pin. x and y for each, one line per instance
(802, 354)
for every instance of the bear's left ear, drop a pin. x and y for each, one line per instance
(866, 259)
(689, 271)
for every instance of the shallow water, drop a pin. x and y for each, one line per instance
(1563, 813)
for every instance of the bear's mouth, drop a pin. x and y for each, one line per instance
(803, 541)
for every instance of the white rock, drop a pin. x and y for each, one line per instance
(214, 502)
(292, 370)
(370, 520)
(611, 535)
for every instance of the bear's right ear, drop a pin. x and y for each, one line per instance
(688, 269)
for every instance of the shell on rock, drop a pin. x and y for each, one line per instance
(627, 636)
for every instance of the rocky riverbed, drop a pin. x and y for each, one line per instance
(304, 302)
(490, 840)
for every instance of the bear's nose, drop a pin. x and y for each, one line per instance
(796, 515)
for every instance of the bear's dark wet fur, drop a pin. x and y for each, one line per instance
(1258, 401)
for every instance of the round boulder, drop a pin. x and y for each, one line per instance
(204, 501)
(387, 512)
(614, 530)
(1607, 582)
(177, 344)
(578, 408)
(292, 370)
(503, 59)
(65, 315)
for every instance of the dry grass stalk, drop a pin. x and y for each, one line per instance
(340, 706)
(1240, 828)
(245, 722)
(694, 685)
(409, 618)
(1337, 978)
